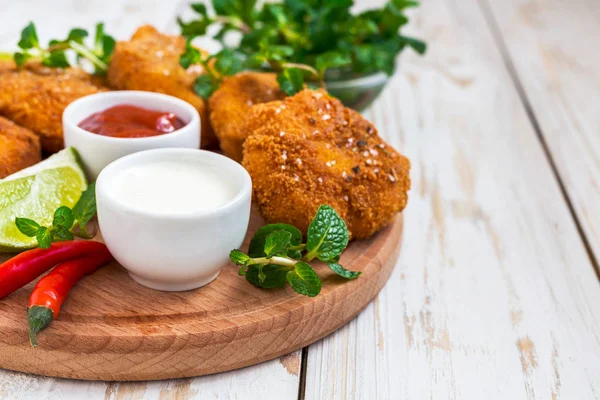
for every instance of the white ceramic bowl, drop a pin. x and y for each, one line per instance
(177, 251)
(98, 151)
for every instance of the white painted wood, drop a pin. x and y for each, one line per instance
(277, 379)
(493, 296)
(554, 47)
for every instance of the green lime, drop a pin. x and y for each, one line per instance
(35, 193)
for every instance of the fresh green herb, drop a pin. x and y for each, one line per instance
(224, 63)
(304, 280)
(275, 276)
(239, 257)
(275, 255)
(277, 243)
(257, 244)
(66, 223)
(44, 237)
(27, 226)
(327, 235)
(291, 80)
(84, 210)
(58, 52)
(341, 271)
(301, 40)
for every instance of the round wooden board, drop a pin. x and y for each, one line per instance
(114, 329)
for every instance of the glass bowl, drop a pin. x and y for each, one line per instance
(355, 91)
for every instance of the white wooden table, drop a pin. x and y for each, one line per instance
(495, 294)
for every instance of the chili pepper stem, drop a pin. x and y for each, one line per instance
(38, 318)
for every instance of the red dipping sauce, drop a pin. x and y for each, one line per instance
(127, 121)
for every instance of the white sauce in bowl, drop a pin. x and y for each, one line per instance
(172, 187)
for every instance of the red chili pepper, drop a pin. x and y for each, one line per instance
(52, 290)
(25, 267)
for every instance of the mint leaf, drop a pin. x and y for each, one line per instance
(29, 38)
(327, 235)
(44, 237)
(239, 9)
(343, 272)
(261, 275)
(274, 276)
(238, 257)
(104, 46)
(417, 45)
(108, 46)
(405, 3)
(192, 55)
(63, 217)
(277, 243)
(331, 59)
(228, 62)
(278, 52)
(77, 35)
(21, 58)
(61, 233)
(295, 254)
(291, 81)
(205, 86)
(304, 280)
(56, 59)
(194, 28)
(200, 8)
(255, 61)
(26, 226)
(85, 208)
(257, 244)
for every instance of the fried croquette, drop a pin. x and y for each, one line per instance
(35, 97)
(19, 148)
(229, 106)
(150, 62)
(310, 150)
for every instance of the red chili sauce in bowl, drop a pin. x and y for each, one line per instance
(127, 121)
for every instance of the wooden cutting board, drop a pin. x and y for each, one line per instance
(112, 328)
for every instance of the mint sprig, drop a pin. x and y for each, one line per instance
(216, 66)
(66, 222)
(276, 254)
(304, 40)
(56, 54)
(327, 235)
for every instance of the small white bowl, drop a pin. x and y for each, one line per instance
(173, 251)
(98, 151)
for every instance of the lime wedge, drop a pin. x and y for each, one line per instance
(35, 193)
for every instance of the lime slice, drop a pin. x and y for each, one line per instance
(35, 193)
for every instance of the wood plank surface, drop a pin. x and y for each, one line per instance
(494, 296)
(553, 46)
(281, 376)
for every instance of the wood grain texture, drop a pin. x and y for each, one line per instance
(112, 328)
(553, 46)
(493, 296)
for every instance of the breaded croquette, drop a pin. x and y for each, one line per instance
(19, 148)
(35, 98)
(231, 102)
(150, 62)
(310, 150)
